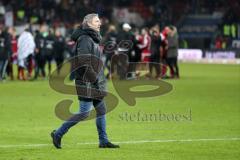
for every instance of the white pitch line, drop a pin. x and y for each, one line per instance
(127, 142)
(23, 145)
(180, 140)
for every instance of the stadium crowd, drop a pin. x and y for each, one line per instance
(154, 40)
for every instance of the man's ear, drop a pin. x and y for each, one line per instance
(89, 24)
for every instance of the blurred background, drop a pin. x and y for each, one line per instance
(207, 30)
(200, 22)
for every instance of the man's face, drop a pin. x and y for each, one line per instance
(95, 24)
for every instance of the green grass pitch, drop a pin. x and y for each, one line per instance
(211, 92)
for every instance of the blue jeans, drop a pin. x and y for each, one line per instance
(3, 66)
(85, 108)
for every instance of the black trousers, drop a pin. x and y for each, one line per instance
(48, 58)
(109, 63)
(121, 61)
(40, 64)
(59, 62)
(173, 64)
(155, 63)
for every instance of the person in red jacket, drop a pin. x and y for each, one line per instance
(13, 57)
(163, 51)
(145, 46)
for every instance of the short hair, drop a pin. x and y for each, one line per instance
(88, 19)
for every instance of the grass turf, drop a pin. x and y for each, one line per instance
(211, 92)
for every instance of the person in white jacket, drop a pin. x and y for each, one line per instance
(26, 47)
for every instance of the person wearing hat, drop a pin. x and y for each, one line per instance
(126, 42)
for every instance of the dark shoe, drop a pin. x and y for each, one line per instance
(108, 145)
(56, 140)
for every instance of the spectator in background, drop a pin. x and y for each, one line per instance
(163, 51)
(134, 56)
(26, 47)
(58, 50)
(146, 44)
(38, 54)
(2, 13)
(172, 52)
(155, 52)
(13, 55)
(137, 53)
(70, 48)
(124, 41)
(109, 49)
(218, 42)
(224, 43)
(48, 49)
(183, 44)
(5, 51)
(233, 31)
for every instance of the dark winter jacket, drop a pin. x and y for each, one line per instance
(59, 47)
(49, 44)
(5, 46)
(155, 48)
(128, 42)
(39, 40)
(89, 77)
(172, 46)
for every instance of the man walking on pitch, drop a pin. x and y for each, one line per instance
(90, 81)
